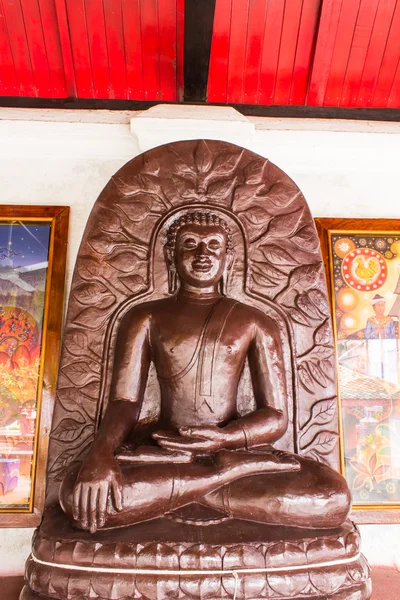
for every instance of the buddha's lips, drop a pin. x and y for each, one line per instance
(202, 266)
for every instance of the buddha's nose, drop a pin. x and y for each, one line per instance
(202, 249)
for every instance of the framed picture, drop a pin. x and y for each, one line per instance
(362, 260)
(33, 244)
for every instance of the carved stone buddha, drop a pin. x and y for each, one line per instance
(197, 395)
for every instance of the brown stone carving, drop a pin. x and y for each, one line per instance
(194, 441)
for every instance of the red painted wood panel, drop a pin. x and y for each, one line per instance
(387, 72)
(8, 77)
(341, 52)
(97, 40)
(150, 49)
(167, 13)
(116, 48)
(133, 49)
(66, 47)
(37, 49)
(375, 52)
(271, 48)
(254, 50)
(218, 70)
(19, 47)
(53, 48)
(304, 51)
(358, 52)
(76, 11)
(287, 51)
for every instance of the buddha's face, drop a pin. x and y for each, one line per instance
(200, 254)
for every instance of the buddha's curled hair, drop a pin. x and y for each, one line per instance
(198, 218)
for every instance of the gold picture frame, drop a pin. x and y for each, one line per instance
(362, 264)
(33, 248)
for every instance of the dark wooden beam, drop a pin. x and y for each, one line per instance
(251, 110)
(199, 21)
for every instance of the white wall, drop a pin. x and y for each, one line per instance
(344, 168)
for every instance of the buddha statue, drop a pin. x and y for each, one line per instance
(193, 451)
(199, 339)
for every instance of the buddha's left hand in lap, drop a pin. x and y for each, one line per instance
(199, 439)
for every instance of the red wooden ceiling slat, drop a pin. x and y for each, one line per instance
(37, 48)
(325, 45)
(66, 47)
(133, 49)
(271, 46)
(304, 51)
(97, 40)
(80, 47)
(180, 27)
(389, 64)
(53, 48)
(237, 49)
(358, 52)
(394, 98)
(150, 49)
(375, 52)
(287, 51)
(255, 39)
(116, 48)
(167, 40)
(19, 47)
(344, 39)
(218, 71)
(8, 77)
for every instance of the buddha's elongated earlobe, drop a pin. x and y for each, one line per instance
(224, 283)
(173, 279)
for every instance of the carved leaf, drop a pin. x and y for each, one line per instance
(125, 261)
(203, 157)
(94, 293)
(76, 342)
(304, 277)
(91, 318)
(108, 220)
(307, 239)
(66, 458)
(256, 215)
(285, 225)
(305, 304)
(278, 256)
(322, 412)
(305, 379)
(185, 187)
(265, 274)
(297, 316)
(134, 283)
(324, 442)
(244, 197)
(254, 171)
(320, 301)
(280, 196)
(221, 189)
(68, 430)
(141, 206)
(151, 166)
(71, 399)
(226, 163)
(323, 334)
(88, 267)
(317, 373)
(91, 390)
(80, 373)
(104, 245)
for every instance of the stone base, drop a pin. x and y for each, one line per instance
(163, 559)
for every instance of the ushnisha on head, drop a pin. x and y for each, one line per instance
(199, 252)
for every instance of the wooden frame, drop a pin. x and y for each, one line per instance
(327, 227)
(57, 217)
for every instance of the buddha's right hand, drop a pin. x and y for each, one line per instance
(97, 478)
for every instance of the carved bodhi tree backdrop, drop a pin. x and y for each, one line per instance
(278, 268)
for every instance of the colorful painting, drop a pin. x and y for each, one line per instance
(24, 250)
(366, 302)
